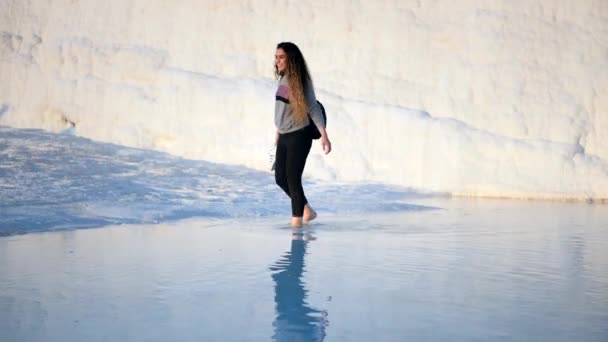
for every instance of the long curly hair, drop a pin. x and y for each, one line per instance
(298, 79)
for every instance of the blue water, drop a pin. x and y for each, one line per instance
(469, 272)
(180, 266)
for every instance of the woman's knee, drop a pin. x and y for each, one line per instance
(294, 182)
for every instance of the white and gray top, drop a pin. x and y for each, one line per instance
(283, 113)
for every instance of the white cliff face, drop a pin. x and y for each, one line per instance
(488, 98)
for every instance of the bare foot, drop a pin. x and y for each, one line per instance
(296, 222)
(309, 214)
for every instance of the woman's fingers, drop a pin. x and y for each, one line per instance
(326, 146)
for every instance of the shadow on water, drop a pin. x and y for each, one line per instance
(57, 181)
(295, 319)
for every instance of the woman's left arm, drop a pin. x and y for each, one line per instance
(317, 118)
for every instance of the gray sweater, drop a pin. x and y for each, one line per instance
(283, 113)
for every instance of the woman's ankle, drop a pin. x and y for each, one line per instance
(309, 213)
(296, 222)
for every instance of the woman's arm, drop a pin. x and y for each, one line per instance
(317, 117)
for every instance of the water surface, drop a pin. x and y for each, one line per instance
(469, 270)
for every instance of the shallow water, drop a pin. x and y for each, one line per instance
(52, 182)
(468, 270)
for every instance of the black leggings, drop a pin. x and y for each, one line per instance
(292, 150)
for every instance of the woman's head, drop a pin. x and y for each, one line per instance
(290, 62)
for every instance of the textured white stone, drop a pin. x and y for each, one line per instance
(489, 98)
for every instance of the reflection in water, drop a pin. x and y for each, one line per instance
(295, 320)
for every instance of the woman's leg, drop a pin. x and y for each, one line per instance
(280, 169)
(298, 147)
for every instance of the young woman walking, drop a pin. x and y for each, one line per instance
(295, 107)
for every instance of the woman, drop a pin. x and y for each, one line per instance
(295, 106)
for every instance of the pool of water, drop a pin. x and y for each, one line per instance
(464, 270)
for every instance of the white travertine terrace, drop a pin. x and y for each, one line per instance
(469, 97)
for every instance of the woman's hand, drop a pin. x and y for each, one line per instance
(276, 138)
(325, 144)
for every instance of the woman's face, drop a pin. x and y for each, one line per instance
(280, 60)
